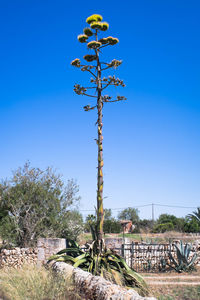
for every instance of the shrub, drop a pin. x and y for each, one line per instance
(160, 228)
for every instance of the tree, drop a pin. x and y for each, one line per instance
(144, 225)
(36, 202)
(99, 83)
(191, 225)
(178, 223)
(129, 214)
(107, 214)
(195, 215)
(111, 225)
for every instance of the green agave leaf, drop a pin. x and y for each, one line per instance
(90, 268)
(70, 250)
(53, 257)
(193, 260)
(60, 259)
(73, 244)
(172, 259)
(80, 257)
(68, 258)
(80, 262)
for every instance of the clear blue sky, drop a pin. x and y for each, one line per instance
(151, 142)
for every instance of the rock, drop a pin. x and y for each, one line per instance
(96, 287)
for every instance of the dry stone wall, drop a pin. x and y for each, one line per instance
(17, 257)
(140, 256)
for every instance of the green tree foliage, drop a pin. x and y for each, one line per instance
(191, 225)
(70, 224)
(36, 203)
(160, 228)
(168, 222)
(107, 214)
(145, 225)
(195, 215)
(111, 225)
(90, 222)
(129, 214)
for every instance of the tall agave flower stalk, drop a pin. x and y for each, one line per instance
(98, 84)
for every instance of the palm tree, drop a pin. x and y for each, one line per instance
(195, 215)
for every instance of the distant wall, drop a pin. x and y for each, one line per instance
(48, 247)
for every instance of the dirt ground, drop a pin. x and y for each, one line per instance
(174, 286)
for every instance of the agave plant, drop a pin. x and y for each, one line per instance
(98, 260)
(107, 264)
(184, 261)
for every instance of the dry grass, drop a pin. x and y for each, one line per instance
(174, 286)
(35, 283)
(176, 292)
(145, 237)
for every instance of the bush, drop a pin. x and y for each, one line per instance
(160, 228)
(111, 226)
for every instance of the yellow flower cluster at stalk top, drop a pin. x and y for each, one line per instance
(95, 22)
(94, 18)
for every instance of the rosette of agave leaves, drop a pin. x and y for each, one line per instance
(107, 264)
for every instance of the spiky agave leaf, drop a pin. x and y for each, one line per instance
(71, 250)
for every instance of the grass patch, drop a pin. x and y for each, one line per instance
(35, 283)
(133, 236)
